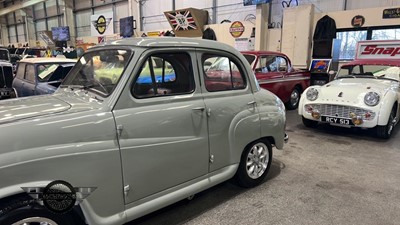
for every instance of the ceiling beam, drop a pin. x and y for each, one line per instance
(21, 5)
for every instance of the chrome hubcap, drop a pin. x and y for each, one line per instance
(257, 160)
(294, 97)
(392, 121)
(35, 220)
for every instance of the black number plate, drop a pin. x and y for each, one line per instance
(4, 93)
(337, 120)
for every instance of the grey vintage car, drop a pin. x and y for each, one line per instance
(136, 125)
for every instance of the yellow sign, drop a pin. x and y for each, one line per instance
(153, 34)
(236, 29)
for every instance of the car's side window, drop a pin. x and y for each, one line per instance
(266, 63)
(21, 71)
(223, 74)
(356, 70)
(30, 73)
(164, 74)
(282, 64)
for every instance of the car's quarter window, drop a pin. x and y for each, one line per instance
(282, 64)
(164, 74)
(98, 71)
(30, 73)
(250, 58)
(223, 74)
(21, 71)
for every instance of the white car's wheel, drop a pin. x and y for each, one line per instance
(387, 130)
(254, 164)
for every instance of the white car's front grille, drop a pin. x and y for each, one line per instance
(341, 111)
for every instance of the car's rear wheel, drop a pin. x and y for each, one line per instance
(254, 164)
(309, 123)
(385, 131)
(24, 211)
(13, 93)
(294, 99)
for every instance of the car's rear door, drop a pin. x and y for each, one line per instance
(233, 120)
(162, 125)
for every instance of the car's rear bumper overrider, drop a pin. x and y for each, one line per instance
(286, 138)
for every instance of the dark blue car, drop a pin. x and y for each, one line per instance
(37, 76)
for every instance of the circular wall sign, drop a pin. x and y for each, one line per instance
(101, 24)
(358, 21)
(236, 29)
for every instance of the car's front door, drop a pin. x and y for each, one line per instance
(233, 120)
(162, 125)
(268, 74)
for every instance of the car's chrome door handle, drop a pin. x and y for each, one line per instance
(199, 108)
(251, 103)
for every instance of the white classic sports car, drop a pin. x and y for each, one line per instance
(365, 93)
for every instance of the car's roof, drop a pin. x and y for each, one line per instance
(388, 62)
(263, 53)
(169, 42)
(48, 60)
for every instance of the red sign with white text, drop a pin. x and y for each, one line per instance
(378, 49)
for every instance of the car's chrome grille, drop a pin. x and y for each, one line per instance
(341, 111)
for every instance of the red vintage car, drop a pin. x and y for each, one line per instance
(275, 73)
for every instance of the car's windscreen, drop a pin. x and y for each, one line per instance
(4, 55)
(45, 71)
(20, 51)
(98, 71)
(369, 71)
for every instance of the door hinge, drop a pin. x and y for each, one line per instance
(119, 130)
(127, 188)
(211, 158)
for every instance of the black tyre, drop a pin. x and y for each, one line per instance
(385, 131)
(294, 99)
(254, 164)
(309, 123)
(24, 210)
(13, 94)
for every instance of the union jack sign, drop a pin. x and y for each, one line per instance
(182, 20)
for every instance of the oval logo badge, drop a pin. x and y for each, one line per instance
(236, 29)
(358, 21)
(101, 24)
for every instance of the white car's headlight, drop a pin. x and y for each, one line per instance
(371, 99)
(312, 94)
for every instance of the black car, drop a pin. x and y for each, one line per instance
(6, 75)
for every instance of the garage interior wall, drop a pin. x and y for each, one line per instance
(49, 13)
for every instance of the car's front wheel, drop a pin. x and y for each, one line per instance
(24, 210)
(254, 164)
(385, 131)
(294, 100)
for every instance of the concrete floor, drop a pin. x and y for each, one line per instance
(327, 175)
